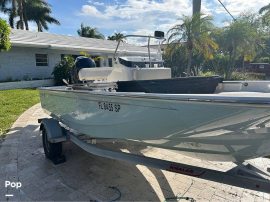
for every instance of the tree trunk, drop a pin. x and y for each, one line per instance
(196, 6)
(193, 71)
(228, 69)
(243, 64)
(196, 11)
(11, 20)
(20, 11)
(12, 14)
(232, 59)
(39, 26)
(189, 61)
(26, 23)
(25, 16)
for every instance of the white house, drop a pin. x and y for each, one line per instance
(34, 54)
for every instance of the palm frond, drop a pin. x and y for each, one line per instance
(265, 8)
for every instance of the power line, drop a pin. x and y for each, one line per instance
(227, 10)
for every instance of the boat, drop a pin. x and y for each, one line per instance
(186, 115)
(217, 127)
(144, 73)
(209, 120)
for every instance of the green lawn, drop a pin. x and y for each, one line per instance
(13, 103)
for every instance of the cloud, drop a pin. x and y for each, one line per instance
(132, 9)
(91, 11)
(145, 16)
(98, 3)
(237, 7)
(134, 15)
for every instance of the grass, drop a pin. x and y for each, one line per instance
(13, 103)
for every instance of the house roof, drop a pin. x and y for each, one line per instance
(23, 38)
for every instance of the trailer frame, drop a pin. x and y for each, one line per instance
(244, 175)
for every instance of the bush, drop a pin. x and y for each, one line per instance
(207, 73)
(63, 69)
(236, 76)
(4, 35)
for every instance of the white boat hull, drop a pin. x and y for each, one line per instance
(217, 131)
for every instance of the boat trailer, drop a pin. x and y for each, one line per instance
(54, 133)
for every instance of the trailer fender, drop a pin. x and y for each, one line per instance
(54, 131)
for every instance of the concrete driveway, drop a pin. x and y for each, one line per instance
(85, 177)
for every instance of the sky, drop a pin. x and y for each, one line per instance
(138, 16)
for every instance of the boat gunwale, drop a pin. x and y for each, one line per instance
(201, 98)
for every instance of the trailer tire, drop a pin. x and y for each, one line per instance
(51, 150)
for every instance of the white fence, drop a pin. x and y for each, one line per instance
(26, 84)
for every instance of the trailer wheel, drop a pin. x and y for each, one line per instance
(51, 150)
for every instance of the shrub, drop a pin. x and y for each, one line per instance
(63, 69)
(207, 73)
(247, 76)
(4, 35)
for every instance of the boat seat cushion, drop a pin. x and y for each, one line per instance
(88, 74)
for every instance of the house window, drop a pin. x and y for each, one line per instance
(110, 62)
(41, 60)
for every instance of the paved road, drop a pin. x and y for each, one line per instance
(86, 177)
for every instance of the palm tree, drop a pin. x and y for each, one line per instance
(39, 12)
(15, 9)
(239, 40)
(193, 33)
(28, 10)
(116, 36)
(10, 11)
(89, 32)
(266, 13)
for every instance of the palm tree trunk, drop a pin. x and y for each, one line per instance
(243, 63)
(12, 14)
(11, 20)
(25, 21)
(229, 68)
(39, 26)
(25, 16)
(20, 11)
(189, 61)
(231, 64)
(196, 11)
(196, 6)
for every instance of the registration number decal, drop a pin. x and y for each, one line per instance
(108, 106)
